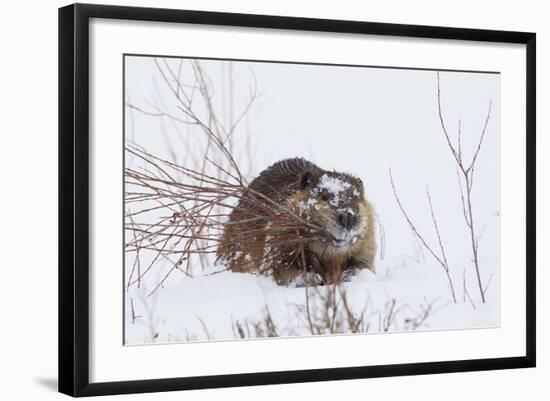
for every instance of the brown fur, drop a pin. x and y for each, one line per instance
(260, 238)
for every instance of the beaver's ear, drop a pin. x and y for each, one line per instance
(361, 185)
(306, 180)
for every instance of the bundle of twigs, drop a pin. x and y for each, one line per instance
(177, 213)
(180, 213)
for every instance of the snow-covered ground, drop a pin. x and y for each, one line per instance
(209, 306)
(357, 120)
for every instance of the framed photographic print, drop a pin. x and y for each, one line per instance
(249, 199)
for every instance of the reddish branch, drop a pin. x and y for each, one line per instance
(191, 228)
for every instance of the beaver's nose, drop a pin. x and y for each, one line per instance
(347, 220)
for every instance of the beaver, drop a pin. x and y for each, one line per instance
(302, 225)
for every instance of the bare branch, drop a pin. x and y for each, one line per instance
(466, 183)
(446, 264)
(442, 260)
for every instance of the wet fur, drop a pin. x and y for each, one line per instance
(291, 182)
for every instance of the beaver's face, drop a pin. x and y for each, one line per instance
(334, 201)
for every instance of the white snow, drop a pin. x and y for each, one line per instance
(349, 237)
(207, 307)
(333, 185)
(363, 121)
(310, 203)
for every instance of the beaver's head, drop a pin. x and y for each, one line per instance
(334, 201)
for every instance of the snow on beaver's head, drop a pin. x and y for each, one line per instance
(336, 202)
(336, 240)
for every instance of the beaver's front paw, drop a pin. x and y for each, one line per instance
(308, 279)
(347, 275)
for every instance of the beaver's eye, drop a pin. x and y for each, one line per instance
(325, 196)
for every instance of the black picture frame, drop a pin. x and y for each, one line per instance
(74, 194)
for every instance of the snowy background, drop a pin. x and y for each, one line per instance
(358, 120)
